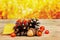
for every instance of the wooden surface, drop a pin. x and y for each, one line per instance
(52, 25)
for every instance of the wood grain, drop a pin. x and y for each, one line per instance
(53, 25)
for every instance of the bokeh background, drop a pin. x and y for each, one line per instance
(42, 9)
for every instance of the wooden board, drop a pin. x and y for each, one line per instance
(52, 25)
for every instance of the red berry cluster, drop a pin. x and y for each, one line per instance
(41, 29)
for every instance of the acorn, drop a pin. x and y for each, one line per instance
(31, 32)
(34, 30)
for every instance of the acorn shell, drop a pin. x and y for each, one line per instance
(31, 32)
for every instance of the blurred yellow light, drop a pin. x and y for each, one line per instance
(23, 8)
